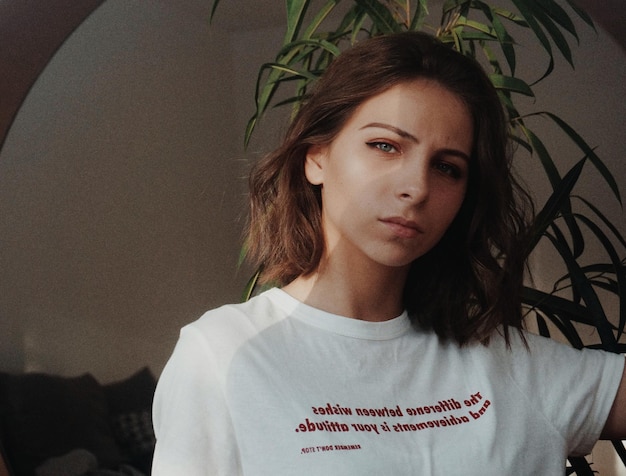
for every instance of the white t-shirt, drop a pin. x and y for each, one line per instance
(276, 387)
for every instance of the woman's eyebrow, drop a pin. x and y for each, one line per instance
(407, 135)
(397, 130)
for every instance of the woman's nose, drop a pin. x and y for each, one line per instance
(413, 184)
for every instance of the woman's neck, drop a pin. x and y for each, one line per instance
(370, 295)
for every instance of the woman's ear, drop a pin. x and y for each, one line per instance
(314, 164)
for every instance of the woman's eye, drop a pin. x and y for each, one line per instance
(383, 146)
(448, 169)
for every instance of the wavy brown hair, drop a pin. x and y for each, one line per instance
(470, 282)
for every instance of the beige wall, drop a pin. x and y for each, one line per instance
(121, 194)
(122, 190)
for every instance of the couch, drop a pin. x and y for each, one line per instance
(75, 426)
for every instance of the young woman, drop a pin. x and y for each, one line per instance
(395, 233)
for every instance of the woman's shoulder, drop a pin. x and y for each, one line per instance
(224, 329)
(253, 315)
(529, 356)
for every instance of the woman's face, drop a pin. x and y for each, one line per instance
(395, 176)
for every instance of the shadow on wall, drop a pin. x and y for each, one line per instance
(31, 31)
(121, 193)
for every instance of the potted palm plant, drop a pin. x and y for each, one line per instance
(565, 221)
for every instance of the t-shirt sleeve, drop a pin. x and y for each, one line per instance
(574, 389)
(191, 419)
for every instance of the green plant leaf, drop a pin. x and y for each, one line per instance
(541, 300)
(296, 10)
(265, 89)
(381, 16)
(492, 58)
(450, 5)
(504, 39)
(521, 142)
(488, 32)
(559, 15)
(581, 13)
(555, 33)
(358, 24)
(264, 94)
(506, 43)
(420, 15)
(298, 73)
(469, 37)
(321, 15)
(251, 124)
(581, 466)
(527, 13)
(576, 236)
(542, 325)
(555, 204)
(556, 235)
(618, 444)
(583, 287)
(559, 187)
(608, 223)
(518, 20)
(564, 323)
(251, 285)
(512, 84)
(350, 24)
(213, 10)
(544, 156)
(616, 264)
(588, 151)
(552, 305)
(314, 46)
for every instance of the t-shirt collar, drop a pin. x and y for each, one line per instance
(346, 326)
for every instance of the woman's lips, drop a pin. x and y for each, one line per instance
(402, 227)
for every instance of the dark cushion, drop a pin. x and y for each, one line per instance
(130, 406)
(135, 432)
(131, 394)
(47, 416)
